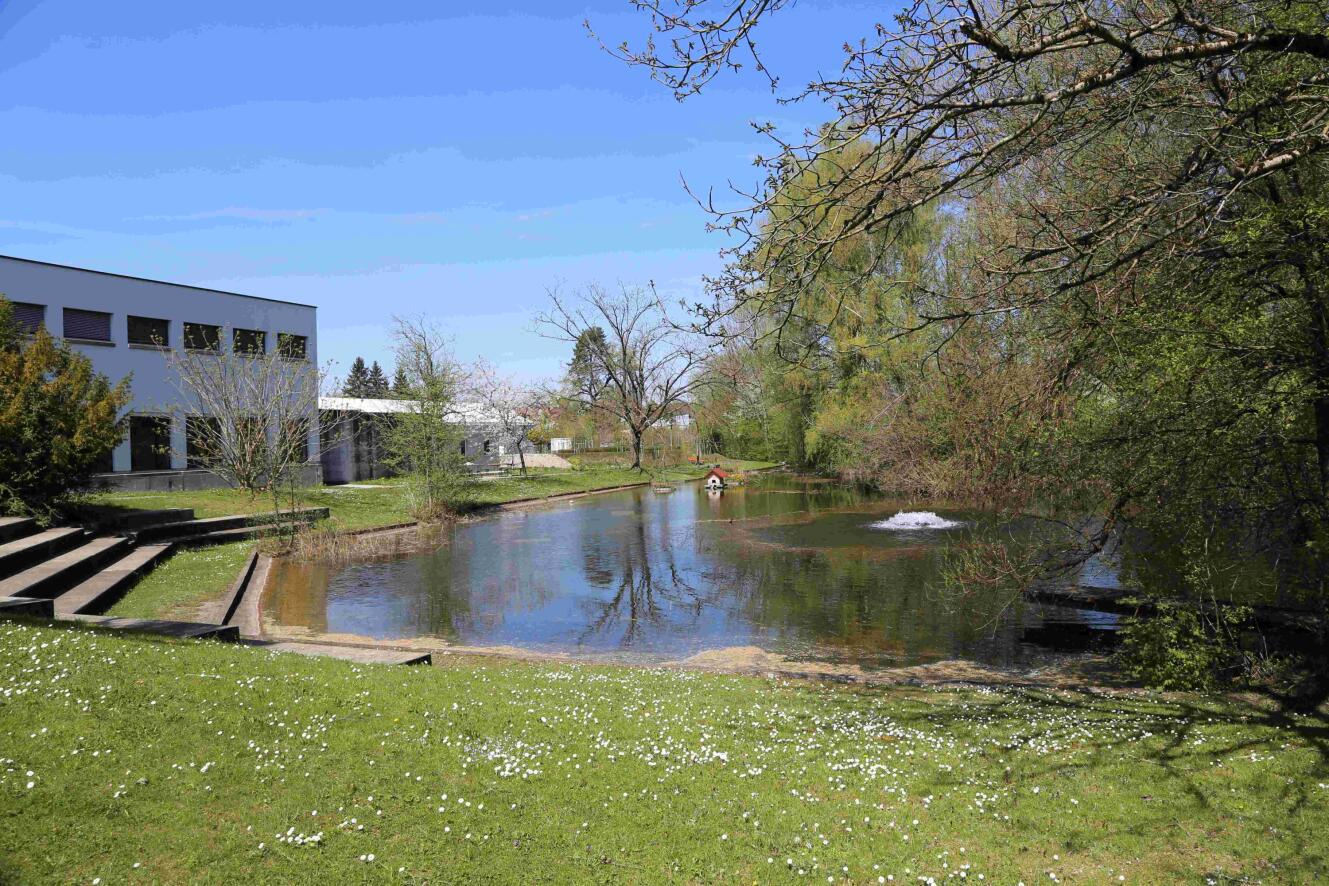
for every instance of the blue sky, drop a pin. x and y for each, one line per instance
(433, 158)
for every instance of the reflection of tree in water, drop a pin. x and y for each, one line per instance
(848, 606)
(646, 595)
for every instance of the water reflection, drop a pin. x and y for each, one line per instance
(792, 566)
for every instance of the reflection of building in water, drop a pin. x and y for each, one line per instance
(298, 595)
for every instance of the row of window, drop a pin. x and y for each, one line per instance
(487, 445)
(86, 325)
(150, 442)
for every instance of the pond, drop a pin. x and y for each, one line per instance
(798, 567)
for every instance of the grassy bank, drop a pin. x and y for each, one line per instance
(144, 760)
(382, 502)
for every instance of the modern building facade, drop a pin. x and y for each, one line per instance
(128, 326)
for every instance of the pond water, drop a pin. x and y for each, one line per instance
(798, 567)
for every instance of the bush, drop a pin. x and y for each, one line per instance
(58, 420)
(1184, 646)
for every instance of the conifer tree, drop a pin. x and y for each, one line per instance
(376, 385)
(357, 381)
(401, 386)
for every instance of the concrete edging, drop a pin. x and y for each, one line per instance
(231, 602)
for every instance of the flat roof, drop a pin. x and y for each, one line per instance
(49, 264)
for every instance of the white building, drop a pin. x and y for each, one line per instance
(127, 324)
(353, 428)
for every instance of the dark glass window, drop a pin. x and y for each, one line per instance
(149, 331)
(202, 337)
(249, 341)
(87, 325)
(486, 446)
(291, 346)
(463, 446)
(202, 436)
(29, 316)
(149, 443)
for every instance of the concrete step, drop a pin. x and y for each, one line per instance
(31, 606)
(184, 629)
(21, 553)
(209, 525)
(116, 519)
(359, 654)
(16, 527)
(61, 572)
(240, 533)
(103, 590)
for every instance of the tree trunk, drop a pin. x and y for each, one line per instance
(636, 450)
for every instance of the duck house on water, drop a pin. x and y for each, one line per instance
(716, 478)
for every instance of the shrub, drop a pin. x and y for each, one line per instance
(1185, 646)
(58, 420)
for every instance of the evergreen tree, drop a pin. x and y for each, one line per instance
(401, 386)
(357, 381)
(586, 371)
(377, 383)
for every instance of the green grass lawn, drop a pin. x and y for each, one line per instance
(190, 577)
(140, 760)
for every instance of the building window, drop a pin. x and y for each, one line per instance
(202, 337)
(202, 439)
(249, 341)
(87, 325)
(149, 443)
(486, 447)
(463, 447)
(291, 346)
(149, 331)
(29, 317)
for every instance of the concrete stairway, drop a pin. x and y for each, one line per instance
(213, 530)
(71, 574)
(104, 590)
(36, 546)
(79, 571)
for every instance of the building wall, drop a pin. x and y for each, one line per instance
(349, 454)
(153, 385)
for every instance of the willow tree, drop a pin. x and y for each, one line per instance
(1158, 269)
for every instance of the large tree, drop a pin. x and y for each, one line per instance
(639, 366)
(1134, 318)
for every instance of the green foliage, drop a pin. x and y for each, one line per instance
(1169, 649)
(58, 422)
(423, 440)
(9, 331)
